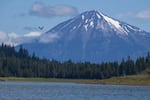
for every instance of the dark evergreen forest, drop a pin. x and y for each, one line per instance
(18, 63)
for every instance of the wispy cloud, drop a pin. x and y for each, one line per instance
(33, 34)
(42, 10)
(29, 28)
(17, 39)
(48, 38)
(123, 15)
(8, 38)
(3, 36)
(144, 14)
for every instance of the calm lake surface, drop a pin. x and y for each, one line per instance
(70, 91)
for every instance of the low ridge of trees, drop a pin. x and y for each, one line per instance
(21, 64)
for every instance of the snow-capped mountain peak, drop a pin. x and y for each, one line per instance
(93, 21)
(100, 18)
(100, 21)
(91, 36)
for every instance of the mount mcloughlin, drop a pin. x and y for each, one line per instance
(91, 36)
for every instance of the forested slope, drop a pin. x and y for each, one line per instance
(20, 64)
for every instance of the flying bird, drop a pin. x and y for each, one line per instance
(41, 27)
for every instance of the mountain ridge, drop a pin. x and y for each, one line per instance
(91, 36)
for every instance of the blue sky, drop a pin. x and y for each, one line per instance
(25, 16)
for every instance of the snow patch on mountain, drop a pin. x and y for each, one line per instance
(49, 38)
(74, 27)
(92, 24)
(114, 23)
(86, 27)
(82, 17)
(86, 20)
(98, 15)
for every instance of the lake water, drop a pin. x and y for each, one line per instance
(70, 91)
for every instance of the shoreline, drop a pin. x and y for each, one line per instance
(134, 80)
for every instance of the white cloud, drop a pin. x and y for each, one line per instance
(8, 38)
(13, 35)
(48, 38)
(3, 37)
(145, 14)
(16, 39)
(39, 9)
(123, 15)
(33, 34)
(12, 39)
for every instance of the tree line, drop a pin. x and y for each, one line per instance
(19, 63)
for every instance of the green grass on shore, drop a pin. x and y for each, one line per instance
(140, 80)
(143, 80)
